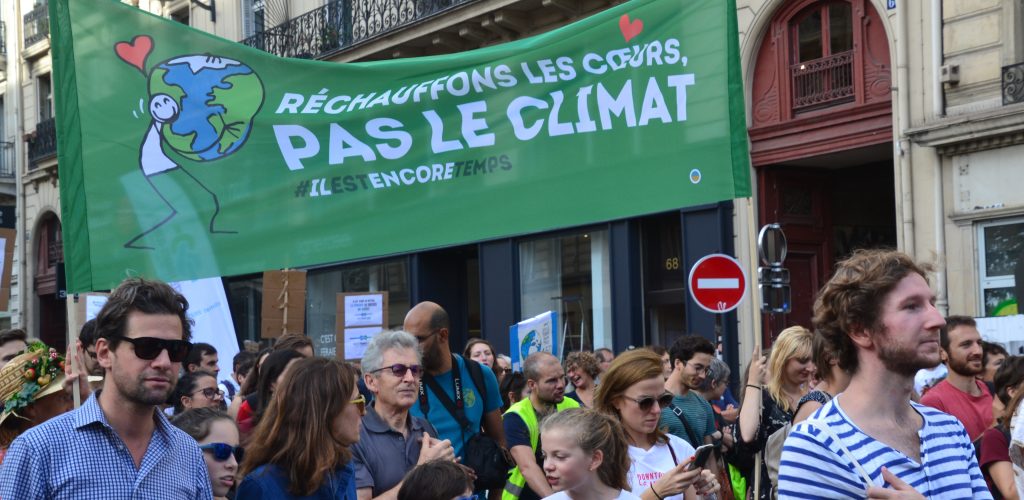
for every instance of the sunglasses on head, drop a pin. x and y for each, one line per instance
(149, 348)
(398, 369)
(647, 402)
(223, 451)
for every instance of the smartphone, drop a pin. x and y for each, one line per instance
(701, 456)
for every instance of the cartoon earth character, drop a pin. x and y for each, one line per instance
(529, 345)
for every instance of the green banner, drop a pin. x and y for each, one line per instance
(183, 155)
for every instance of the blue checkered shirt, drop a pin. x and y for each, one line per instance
(79, 456)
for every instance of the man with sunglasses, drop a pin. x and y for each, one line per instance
(118, 444)
(87, 349)
(392, 442)
(690, 416)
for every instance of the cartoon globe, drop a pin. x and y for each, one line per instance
(529, 345)
(204, 105)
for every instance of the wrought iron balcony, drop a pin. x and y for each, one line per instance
(1013, 84)
(43, 143)
(37, 24)
(341, 24)
(822, 82)
(6, 160)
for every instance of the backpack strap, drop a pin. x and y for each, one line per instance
(476, 374)
(827, 430)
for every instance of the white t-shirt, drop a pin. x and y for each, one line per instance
(649, 465)
(623, 495)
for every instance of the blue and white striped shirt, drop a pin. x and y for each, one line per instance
(812, 466)
(79, 456)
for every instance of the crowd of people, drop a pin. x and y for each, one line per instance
(851, 407)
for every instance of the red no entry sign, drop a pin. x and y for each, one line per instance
(717, 283)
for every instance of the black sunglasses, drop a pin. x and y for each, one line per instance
(210, 393)
(647, 402)
(149, 348)
(223, 451)
(398, 369)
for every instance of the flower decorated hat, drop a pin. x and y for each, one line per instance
(32, 375)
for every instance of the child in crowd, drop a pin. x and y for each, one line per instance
(217, 435)
(585, 456)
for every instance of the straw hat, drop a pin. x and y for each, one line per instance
(34, 374)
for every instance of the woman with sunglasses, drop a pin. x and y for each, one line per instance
(272, 373)
(633, 392)
(217, 436)
(300, 448)
(770, 398)
(197, 389)
(585, 456)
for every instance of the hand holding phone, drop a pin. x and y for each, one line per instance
(701, 456)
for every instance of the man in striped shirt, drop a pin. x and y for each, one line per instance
(878, 316)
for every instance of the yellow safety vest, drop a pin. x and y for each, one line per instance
(524, 408)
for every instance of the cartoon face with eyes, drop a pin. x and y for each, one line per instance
(163, 108)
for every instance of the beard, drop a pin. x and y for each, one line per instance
(135, 390)
(901, 359)
(963, 366)
(433, 358)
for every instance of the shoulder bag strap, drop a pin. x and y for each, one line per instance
(454, 407)
(686, 425)
(827, 430)
(476, 374)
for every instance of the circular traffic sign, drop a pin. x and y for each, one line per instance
(717, 283)
(771, 245)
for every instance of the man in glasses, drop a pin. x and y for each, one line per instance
(690, 416)
(118, 444)
(87, 349)
(392, 442)
(546, 380)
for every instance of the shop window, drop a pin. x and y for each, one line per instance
(1000, 246)
(664, 278)
(324, 285)
(245, 299)
(569, 274)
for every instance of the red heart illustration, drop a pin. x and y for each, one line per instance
(629, 28)
(135, 52)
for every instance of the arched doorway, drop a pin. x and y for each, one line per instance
(821, 138)
(49, 276)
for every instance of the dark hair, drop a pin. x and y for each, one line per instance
(195, 355)
(292, 341)
(686, 346)
(252, 379)
(989, 349)
(1010, 374)
(12, 335)
(951, 323)
(197, 421)
(186, 386)
(296, 433)
(87, 335)
(243, 362)
(143, 296)
(513, 382)
(272, 368)
(852, 298)
(477, 340)
(603, 349)
(822, 356)
(435, 480)
(658, 349)
(585, 361)
(439, 319)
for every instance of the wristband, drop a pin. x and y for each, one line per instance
(754, 386)
(656, 493)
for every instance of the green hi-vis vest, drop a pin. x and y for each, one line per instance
(524, 408)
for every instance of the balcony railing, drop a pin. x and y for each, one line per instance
(341, 24)
(6, 160)
(822, 81)
(1013, 84)
(37, 24)
(43, 143)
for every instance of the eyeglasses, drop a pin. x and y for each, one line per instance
(426, 337)
(149, 348)
(210, 393)
(398, 369)
(647, 402)
(92, 354)
(223, 451)
(360, 403)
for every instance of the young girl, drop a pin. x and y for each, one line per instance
(217, 436)
(585, 456)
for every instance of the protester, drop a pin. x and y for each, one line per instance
(295, 342)
(272, 374)
(689, 416)
(301, 447)
(86, 349)
(143, 332)
(546, 379)
(31, 392)
(878, 314)
(502, 367)
(12, 343)
(248, 386)
(203, 357)
(241, 364)
(666, 359)
(992, 358)
(585, 456)
(633, 392)
(429, 323)
(392, 442)
(582, 368)
(771, 396)
(197, 389)
(217, 435)
(606, 356)
(481, 351)
(994, 455)
(513, 389)
(962, 394)
(712, 388)
(833, 380)
(437, 480)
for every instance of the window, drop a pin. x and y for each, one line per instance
(1000, 246)
(822, 56)
(253, 17)
(571, 275)
(45, 89)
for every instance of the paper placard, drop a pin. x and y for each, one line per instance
(93, 304)
(539, 333)
(360, 316)
(364, 310)
(356, 340)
